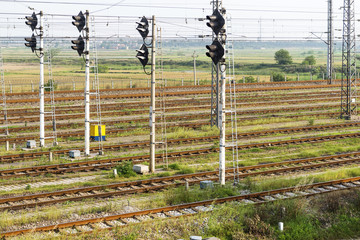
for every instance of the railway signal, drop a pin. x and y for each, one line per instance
(217, 21)
(143, 55)
(143, 27)
(79, 21)
(32, 21)
(216, 51)
(31, 42)
(79, 45)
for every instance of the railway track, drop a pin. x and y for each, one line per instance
(154, 184)
(193, 125)
(12, 113)
(179, 109)
(169, 119)
(167, 94)
(104, 164)
(120, 220)
(186, 87)
(33, 155)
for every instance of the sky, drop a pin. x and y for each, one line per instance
(251, 20)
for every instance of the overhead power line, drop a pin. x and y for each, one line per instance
(158, 6)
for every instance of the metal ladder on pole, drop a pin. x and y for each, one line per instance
(96, 85)
(3, 95)
(49, 87)
(162, 98)
(232, 85)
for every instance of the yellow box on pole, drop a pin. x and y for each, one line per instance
(95, 133)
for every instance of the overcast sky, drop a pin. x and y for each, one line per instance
(273, 20)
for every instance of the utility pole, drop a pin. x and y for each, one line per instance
(348, 82)
(152, 107)
(32, 21)
(194, 57)
(143, 56)
(330, 43)
(87, 86)
(82, 23)
(222, 106)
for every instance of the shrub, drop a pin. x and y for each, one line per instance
(125, 170)
(309, 60)
(49, 83)
(278, 77)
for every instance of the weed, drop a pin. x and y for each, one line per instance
(185, 170)
(174, 166)
(163, 174)
(311, 122)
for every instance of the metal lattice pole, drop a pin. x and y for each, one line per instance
(3, 94)
(194, 57)
(96, 81)
(233, 103)
(330, 42)
(51, 89)
(348, 83)
(162, 98)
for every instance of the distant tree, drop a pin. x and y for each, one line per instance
(309, 60)
(282, 57)
(250, 79)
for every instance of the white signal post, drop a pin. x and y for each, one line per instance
(41, 85)
(87, 87)
(222, 165)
